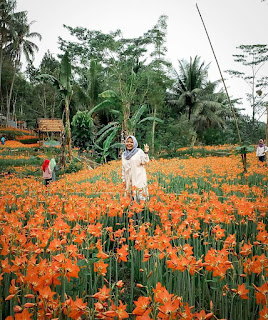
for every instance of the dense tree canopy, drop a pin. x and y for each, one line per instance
(184, 106)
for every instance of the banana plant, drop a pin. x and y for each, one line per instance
(128, 125)
(108, 147)
(64, 86)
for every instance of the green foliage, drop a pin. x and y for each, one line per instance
(29, 141)
(83, 130)
(11, 134)
(73, 166)
(108, 150)
(244, 149)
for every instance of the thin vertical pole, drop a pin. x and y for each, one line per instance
(266, 127)
(229, 100)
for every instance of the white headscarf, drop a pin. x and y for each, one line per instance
(129, 153)
(52, 164)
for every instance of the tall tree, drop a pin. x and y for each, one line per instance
(8, 19)
(253, 58)
(190, 81)
(156, 71)
(19, 45)
(64, 86)
(195, 95)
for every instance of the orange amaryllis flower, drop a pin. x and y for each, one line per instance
(100, 267)
(264, 313)
(29, 305)
(142, 305)
(121, 311)
(246, 249)
(24, 315)
(261, 293)
(77, 307)
(119, 284)
(242, 291)
(169, 309)
(70, 269)
(103, 294)
(218, 231)
(46, 294)
(122, 253)
(203, 316)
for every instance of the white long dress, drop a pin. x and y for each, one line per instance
(134, 175)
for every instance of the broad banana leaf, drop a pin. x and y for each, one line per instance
(105, 133)
(111, 124)
(109, 140)
(151, 119)
(136, 116)
(109, 94)
(65, 73)
(103, 104)
(117, 145)
(48, 78)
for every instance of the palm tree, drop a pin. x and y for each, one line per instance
(21, 44)
(8, 20)
(196, 96)
(190, 81)
(210, 111)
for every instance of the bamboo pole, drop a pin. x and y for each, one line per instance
(229, 100)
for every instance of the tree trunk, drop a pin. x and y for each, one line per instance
(153, 130)
(125, 130)
(193, 139)
(63, 159)
(68, 128)
(10, 95)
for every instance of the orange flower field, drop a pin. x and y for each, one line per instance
(79, 249)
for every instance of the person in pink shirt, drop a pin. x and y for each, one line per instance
(47, 173)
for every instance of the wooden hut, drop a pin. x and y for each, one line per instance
(45, 126)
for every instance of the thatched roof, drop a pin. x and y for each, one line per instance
(49, 125)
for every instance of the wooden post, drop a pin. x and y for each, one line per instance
(226, 91)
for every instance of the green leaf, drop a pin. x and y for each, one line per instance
(105, 133)
(48, 78)
(109, 94)
(65, 73)
(109, 140)
(111, 124)
(102, 105)
(244, 149)
(151, 119)
(136, 117)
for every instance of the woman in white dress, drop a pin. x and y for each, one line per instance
(133, 169)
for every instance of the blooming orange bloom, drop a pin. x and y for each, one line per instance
(261, 293)
(121, 311)
(100, 267)
(77, 308)
(24, 315)
(142, 305)
(103, 294)
(122, 253)
(242, 291)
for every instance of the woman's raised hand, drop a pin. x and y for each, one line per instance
(146, 148)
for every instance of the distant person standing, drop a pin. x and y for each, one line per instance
(53, 168)
(261, 150)
(47, 173)
(3, 140)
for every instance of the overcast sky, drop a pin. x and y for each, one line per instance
(230, 23)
